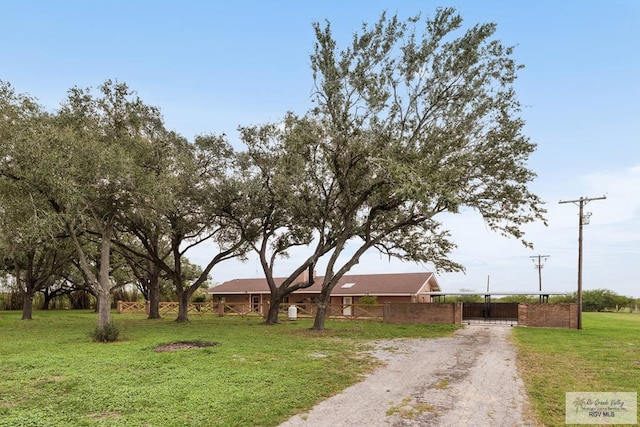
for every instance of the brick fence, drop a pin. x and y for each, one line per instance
(531, 315)
(548, 315)
(448, 312)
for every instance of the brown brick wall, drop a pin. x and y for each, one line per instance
(522, 314)
(548, 315)
(423, 313)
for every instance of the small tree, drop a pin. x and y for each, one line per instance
(603, 300)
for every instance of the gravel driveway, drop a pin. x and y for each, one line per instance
(469, 379)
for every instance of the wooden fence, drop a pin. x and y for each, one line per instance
(336, 311)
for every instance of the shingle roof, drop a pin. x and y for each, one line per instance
(356, 284)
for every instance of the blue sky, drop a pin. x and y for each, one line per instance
(212, 66)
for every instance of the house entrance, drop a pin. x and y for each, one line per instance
(347, 307)
(490, 312)
(255, 303)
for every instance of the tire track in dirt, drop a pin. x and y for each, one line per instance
(468, 379)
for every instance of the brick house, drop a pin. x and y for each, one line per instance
(396, 287)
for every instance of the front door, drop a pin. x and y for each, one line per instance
(255, 302)
(347, 309)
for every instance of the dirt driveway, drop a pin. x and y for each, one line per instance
(469, 379)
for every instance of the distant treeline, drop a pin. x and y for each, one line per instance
(592, 300)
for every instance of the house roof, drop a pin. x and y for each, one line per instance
(354, 284)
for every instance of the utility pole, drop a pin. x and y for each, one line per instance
(538, 265)
(583, 219)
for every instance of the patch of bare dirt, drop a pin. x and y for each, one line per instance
(184, 345)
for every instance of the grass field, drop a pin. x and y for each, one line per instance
(51, 374)
(602, 357)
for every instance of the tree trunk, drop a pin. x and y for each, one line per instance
(274, 308)
(321, 314)
(104, 309)
(27, 305)
(154, 302)
(100, 284)
(47, 300)
(154, 293)
(184, 295)
(104, 285)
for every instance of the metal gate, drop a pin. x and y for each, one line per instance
(490, 312)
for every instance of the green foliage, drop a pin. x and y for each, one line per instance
(411, 120)
(423, 114)
(104, 165)
(51, 371)
(600, 300)
(562, 299)
(465, 298)
(11, 300)
(368, 300)
(517, 298)
(108, 333)
(604, 300)
(124, 294)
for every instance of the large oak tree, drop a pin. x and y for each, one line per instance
(282, 205)
(82, 160)
(421, 118)
(413, 119)
(192, 190)
(31, 250)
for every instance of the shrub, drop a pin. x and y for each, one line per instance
(369, 300)
(109, 333)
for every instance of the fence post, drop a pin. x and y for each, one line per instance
(523, 314)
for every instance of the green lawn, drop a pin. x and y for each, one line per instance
(51, 374)
(603, 356)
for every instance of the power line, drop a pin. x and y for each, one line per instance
(583, 219)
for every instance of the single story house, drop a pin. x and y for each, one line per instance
(396, 287)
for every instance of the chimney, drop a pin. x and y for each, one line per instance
(304, 276)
